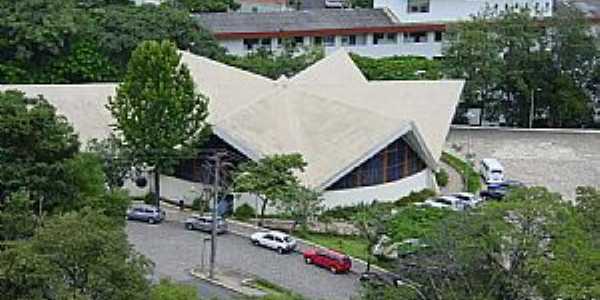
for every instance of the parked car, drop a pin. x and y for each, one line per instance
(491, 170)
(467, 198)
(275, 240)
(146, 213)
(447, 202)
(204, 223)
(381, 279)
(333, 261)
(497, 193)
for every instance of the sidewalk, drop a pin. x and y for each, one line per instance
(231, 280)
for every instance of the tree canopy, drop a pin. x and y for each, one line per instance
(525, 70)
(270, 178)
(158, 112)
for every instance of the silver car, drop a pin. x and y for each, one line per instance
(146, 213)
(204, 223)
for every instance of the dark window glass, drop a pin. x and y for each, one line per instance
(394, 162)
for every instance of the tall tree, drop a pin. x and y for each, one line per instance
(300, 203)
(158, 112)
(81, 255)
(270, 178)
(36, 146)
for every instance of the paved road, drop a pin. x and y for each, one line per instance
(175, 250)
(559, 161)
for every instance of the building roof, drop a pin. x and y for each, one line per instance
(296, 21)
(329, 113)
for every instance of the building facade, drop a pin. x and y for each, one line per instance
(394, 27)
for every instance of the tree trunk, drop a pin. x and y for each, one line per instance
(262, 210)
(157, 187)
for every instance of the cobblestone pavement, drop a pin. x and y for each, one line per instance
(175, 250)
(559, 161)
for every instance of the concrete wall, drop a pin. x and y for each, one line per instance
(456, 10)
(384, 192)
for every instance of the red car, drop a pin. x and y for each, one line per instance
(333, 261)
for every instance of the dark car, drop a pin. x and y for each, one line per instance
(146, 213)
(333, 261)
(495, 193)
(381, 279)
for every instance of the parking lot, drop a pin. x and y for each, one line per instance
(175, 250)
(559, 160)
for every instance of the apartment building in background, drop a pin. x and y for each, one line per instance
(393, 27)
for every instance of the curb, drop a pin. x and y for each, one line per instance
(216, 282)
(309, 243)
(532, 130)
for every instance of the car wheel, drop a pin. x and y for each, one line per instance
(280, 250)
(189, 226)
(308, 260)
(254, 242)
(151, 221)
(333, 270)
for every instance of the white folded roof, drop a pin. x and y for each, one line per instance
(329, 113)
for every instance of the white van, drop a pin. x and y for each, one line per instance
(492, 171)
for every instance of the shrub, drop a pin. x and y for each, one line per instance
(169, 290)
(199, 204)
(415, 197)
(473, 183)
(244, 212)
(414, 222)
(442, 177)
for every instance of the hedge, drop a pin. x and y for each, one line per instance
(473, 182)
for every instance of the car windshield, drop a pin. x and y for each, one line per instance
(287, 239)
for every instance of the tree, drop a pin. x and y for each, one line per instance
(159, 114)
(75, 256)
(471, 52)
(529, 246)
(300, 203)
(200, 6)
(116, 159)
(287, 63)
(36, 145)
(371, 223)
(513, 65)
(269, 178)
(398, 68)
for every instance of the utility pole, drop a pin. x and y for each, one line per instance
(531, 109)
(213, 233)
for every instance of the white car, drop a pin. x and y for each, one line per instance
(467, 198)
(275, 240)
(447, 202)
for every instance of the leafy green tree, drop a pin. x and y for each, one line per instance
(270, 178)
(200, 6)
(35, 145)
(157, 110)
(116, 159)
(169, 290)
(17, 220)
(274, 66)
(301, 203)
(398, 68)
(120, 29)
(514, 66)
(34, 31)
(84, 62)
(471, 52)
(371, 223)
(75, 256)
(529, 246)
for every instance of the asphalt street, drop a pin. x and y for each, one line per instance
(175, 251)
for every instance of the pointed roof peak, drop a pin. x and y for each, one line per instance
(334, 69)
